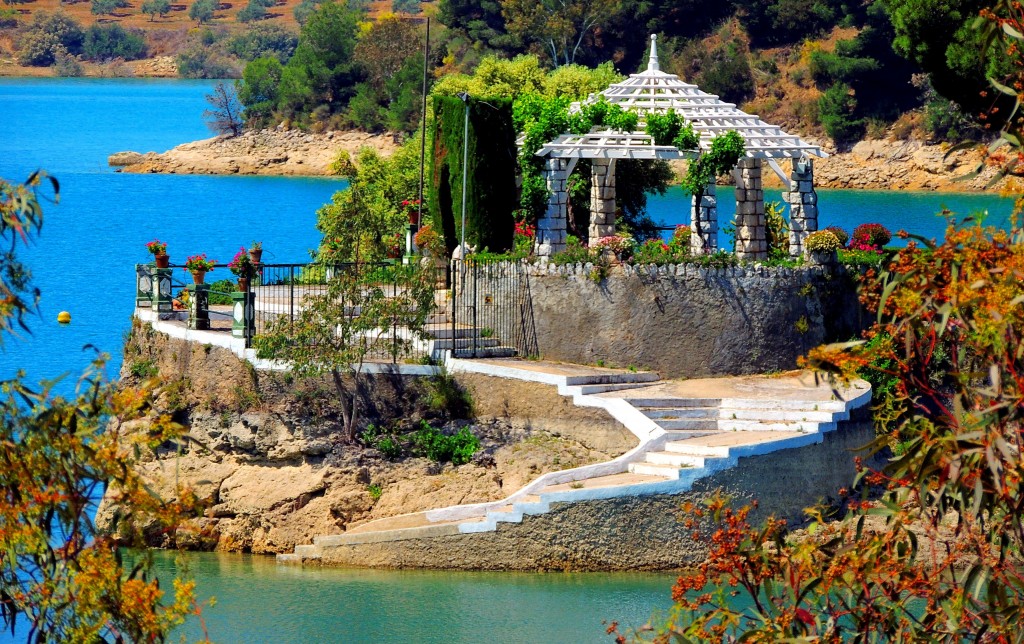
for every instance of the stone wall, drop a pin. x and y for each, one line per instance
(630, 533)
(682, 321)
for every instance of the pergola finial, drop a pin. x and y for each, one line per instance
(652, 63)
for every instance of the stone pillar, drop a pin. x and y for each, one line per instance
(552, 226)
(751, 242)
(243, 316)
(602, 199)
(706, 212)
(803, 205)
(160, 293)
(199, 307)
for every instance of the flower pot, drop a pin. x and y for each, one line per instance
(822, 257)
(162, 261)
(243, 284)
(199, 277)
(255, 254)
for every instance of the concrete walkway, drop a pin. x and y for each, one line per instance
(687, 430)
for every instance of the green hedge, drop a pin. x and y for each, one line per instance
(490, 179)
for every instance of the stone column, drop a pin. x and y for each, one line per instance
(751, 242)
(803, 205)
(706, 212)
(602, 199)
(552, 226)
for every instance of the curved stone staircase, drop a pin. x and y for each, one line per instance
(687, 430)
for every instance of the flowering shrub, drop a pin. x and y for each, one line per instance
(681, 236)
(157, 247)
(428, 239)
(522, 240)
(822, 241)
(621, 244)
(841, 235)
(199, 263)
(575, 252)
(870, 237)
(241, 264)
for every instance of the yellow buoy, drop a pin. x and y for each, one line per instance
(64, 317)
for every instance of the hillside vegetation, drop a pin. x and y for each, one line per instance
(848, 70)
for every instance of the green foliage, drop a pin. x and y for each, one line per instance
(154, 8)
(320, 77)
(204, 60)
(352, 321)
(106, 42)
(8, 17)
(439, 447)
(48, 35)
(776, 231)
(252, 12)
(836, 108)
(375, 490)
(722, 156)
(576, 252)
(257, 91)
(406, 6)
(362, 220)
(490, 191)
(202, 11)
(445, 396)
(107, 7)
(381, 440)
(67, 66)
(143, 369)
(721, 68)
(776, 22)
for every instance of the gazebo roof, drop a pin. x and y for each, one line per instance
(655, 91)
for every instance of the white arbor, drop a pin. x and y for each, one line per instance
(654, 91)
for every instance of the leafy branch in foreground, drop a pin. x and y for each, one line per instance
(938, 555)
(57, 456)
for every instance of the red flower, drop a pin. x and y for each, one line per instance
(804, 616)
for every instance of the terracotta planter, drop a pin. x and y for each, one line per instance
(162, 261)
(256, 254)
(243, 284)
(199, 277)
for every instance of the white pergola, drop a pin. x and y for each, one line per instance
(654, 91)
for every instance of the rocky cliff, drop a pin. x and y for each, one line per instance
(266, 459)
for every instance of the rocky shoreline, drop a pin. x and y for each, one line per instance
(869, 165)
(257, 152)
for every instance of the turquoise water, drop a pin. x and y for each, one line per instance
(83, 262)
(258, 601)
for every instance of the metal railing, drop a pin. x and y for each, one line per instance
(491, 309)
(487, 310)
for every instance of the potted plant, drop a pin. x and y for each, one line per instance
(256, 252)
(429, 241)
(199, 265)
(615, 248)
(412, 210)
(242, 266)
(822, 247)
(159, 251)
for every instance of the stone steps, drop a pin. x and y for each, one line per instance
(692, 438)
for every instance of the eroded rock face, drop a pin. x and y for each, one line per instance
(268, 463)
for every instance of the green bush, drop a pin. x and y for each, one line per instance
(575, 253)
(107, 7)
(67, 66)
(49, 35)
(439, 447)
(252, 12)
(264, 40)
(106, 42)
(836, 108)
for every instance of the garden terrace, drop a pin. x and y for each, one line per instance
(654, 91)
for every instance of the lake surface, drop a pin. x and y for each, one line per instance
(84, 263)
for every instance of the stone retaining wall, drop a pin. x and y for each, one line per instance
(682, 321)
(629, 533)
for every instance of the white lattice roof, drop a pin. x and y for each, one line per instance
(655, 91)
